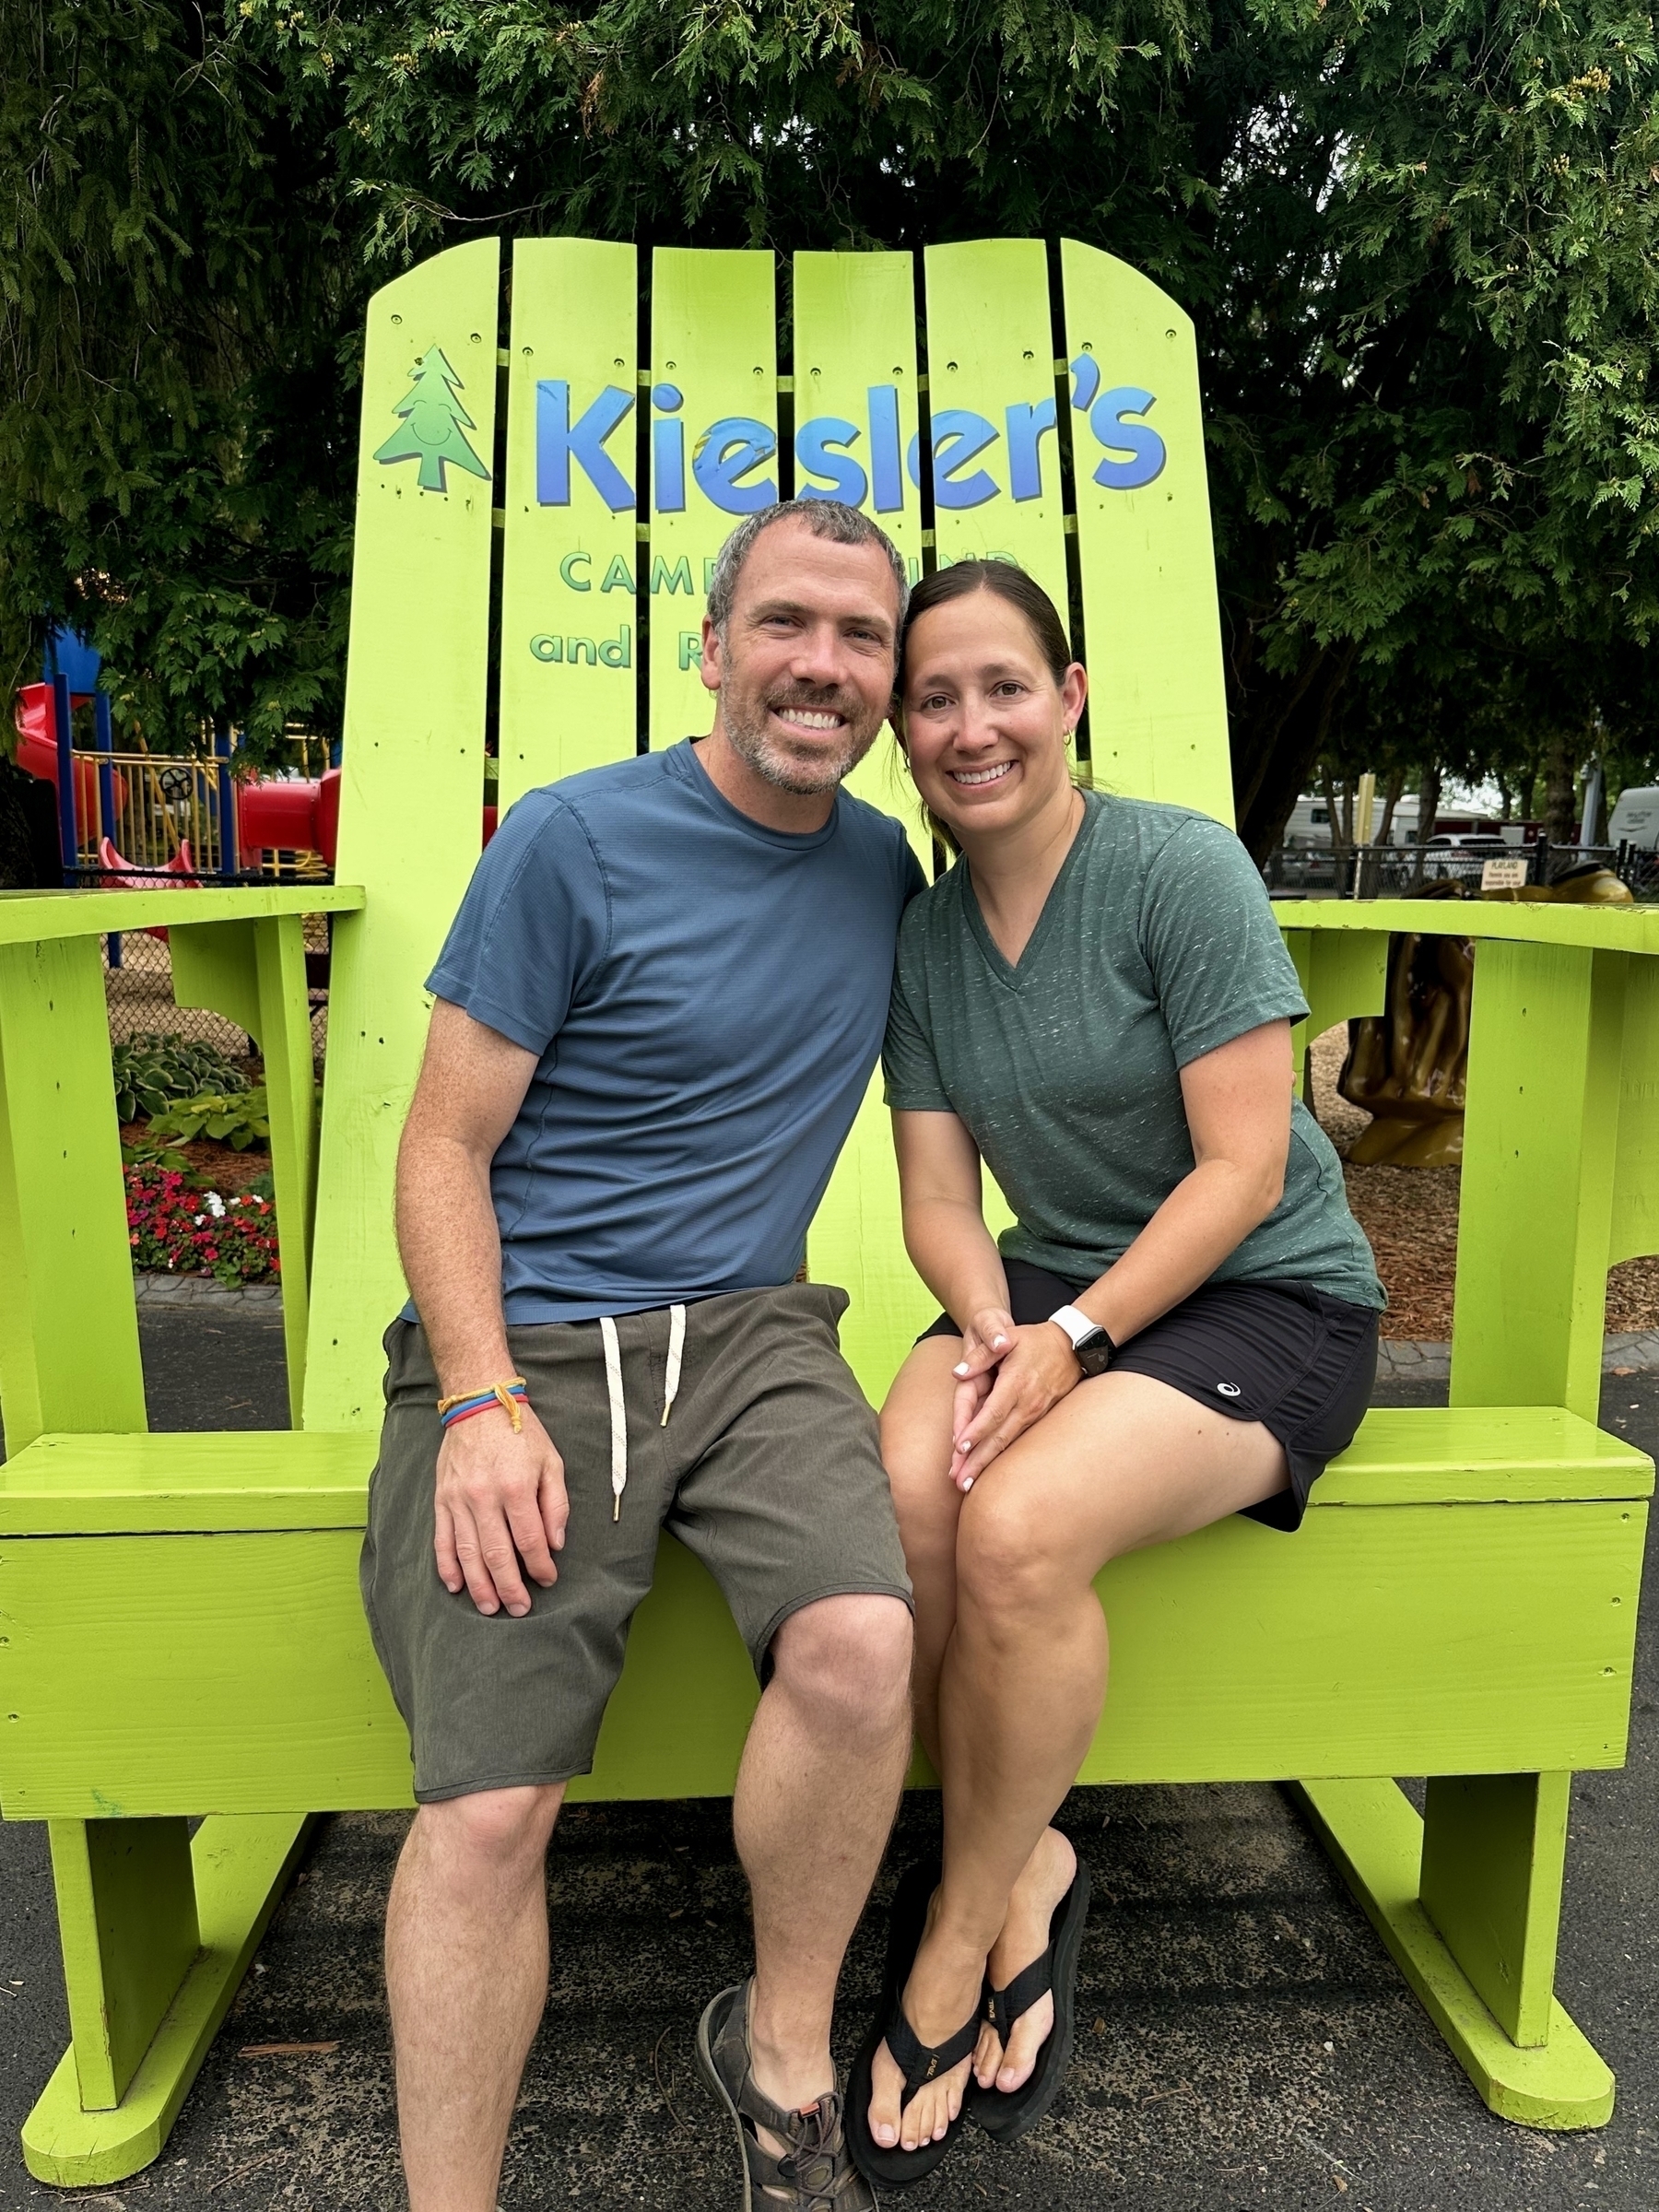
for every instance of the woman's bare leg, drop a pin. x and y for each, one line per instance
(915, 1450)
(1121, 1463)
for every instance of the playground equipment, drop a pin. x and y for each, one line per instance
(162, 811)
(184, 1634)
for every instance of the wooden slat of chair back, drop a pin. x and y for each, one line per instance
(622, 479)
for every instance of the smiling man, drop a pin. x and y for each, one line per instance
(657, 1014)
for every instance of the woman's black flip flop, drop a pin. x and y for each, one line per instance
(1007, 2115)
(893, 2167)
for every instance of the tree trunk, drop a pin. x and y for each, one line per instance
(1393, 791)
(1428, 795)
(1560, 790)
(1279, 728)
(1340, 841)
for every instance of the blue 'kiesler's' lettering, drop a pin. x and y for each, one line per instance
(558, 439)
(957, 435)
(816, 443)
(1026, 426)
(732, 447)
(668, 451)
(887, 472)
(1139, 440)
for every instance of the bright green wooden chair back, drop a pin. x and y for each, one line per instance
(622, 476)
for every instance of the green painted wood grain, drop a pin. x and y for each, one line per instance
(244, 1478)
(991, 346)
(60, 1485)
(1340, 977)
(713, 338)
(411, 802)
(1611, 928)
(127, 1926)
(285, 1033)
(1636, 1173)
(68, 1324)
(214, 965)
(1157, 720)
(1494, 1852)
(855, 328)
(28, 915)
(568, 571)
(1394, 1640)
(240, 1868)
(1371, 1829)
(1539, 1136)
(252, 971)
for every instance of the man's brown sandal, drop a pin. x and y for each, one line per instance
(817, 2172)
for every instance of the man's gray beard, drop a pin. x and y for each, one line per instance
(803, 780)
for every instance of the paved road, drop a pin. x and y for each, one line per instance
(1246, 2041)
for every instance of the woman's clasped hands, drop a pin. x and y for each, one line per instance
(1007, 1377)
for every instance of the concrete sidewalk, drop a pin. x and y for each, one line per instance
(1245, 2039)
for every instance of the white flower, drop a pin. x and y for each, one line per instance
(214, 1204)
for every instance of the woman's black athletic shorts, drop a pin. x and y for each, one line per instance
(1300, 1363)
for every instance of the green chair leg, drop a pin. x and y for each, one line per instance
(1467, 1903)
(158, 1931)
(1494, 1850)
(127, 1923)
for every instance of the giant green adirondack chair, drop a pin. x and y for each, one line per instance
(180, 1628)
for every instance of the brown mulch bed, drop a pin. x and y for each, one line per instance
(1410, 1215)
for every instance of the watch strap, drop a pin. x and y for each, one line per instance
(1074, 1323)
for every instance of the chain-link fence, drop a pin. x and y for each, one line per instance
(138, 988)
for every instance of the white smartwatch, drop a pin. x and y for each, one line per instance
(1088, 1340)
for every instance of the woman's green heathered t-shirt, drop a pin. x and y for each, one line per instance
(1157, 945)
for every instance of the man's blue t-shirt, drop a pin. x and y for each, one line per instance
(706, 999)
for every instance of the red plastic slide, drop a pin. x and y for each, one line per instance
(36, 751)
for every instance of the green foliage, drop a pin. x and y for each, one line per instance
(237, 1118)
(152, 1069)
(150, 1152)
(1419, 245)
(179, 322)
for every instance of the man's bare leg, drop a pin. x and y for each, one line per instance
(467, 1972)
(814, 1804)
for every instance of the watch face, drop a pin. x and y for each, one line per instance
(1094, 1352)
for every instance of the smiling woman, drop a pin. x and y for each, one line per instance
(1096, 1003)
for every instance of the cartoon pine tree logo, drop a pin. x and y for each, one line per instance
(434, 425)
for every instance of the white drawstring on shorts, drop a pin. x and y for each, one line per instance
(618, 1404)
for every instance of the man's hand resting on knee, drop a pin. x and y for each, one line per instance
(501, 1505)
(500, 1511)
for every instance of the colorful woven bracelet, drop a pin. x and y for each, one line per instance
(510, 1395)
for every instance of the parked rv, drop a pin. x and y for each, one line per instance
(1636, 819)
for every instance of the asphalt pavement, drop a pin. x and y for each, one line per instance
(1244, 2038)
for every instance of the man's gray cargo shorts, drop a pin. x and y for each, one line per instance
(767, 1470)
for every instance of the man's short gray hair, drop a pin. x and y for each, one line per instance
(833, 519)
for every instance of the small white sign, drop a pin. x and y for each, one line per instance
(1503, 875)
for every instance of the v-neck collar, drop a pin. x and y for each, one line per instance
(1014, 973)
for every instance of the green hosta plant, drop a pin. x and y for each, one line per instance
(152, 1071)
(150, 1152)
(237, 1118)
